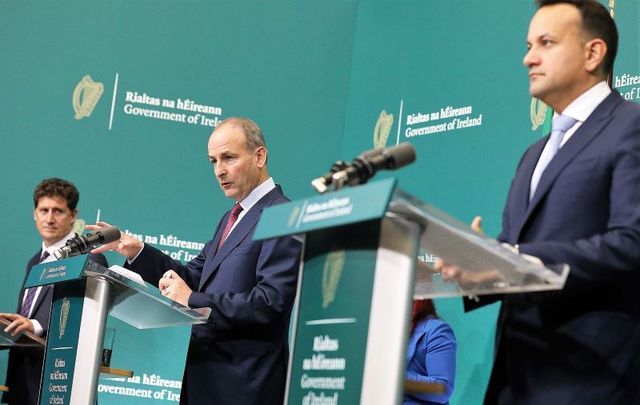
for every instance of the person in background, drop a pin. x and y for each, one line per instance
(55, 213)
(431, 354)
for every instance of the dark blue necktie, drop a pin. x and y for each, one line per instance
(31, 293)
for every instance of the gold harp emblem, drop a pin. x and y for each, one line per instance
(382, 129)
(85, 97)
(331, 273)
(64, 316)
(612, 8)
(293, 216)
(538, 113)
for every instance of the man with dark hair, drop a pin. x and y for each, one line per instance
(55, 201)
(575, 199)
(596, 23)
(57, 187)
(575, 202)
(240, 355)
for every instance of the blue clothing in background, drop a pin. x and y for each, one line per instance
(431, 358)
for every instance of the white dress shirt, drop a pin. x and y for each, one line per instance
(254, 196)
(581, 108)
(37, 328)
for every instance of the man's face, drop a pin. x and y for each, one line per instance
(237, 169)
(54, 219)
(556, 55)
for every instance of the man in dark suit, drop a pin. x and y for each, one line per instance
(55, 201)
(580, 205)
(240, 356)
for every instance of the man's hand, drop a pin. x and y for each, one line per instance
(18, 325)
(451, 272)
(127, 245)
(172, 286)
(476, 225)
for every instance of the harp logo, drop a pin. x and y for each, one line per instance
(85, 97)
(538, 113)
(382, 129)
(293, 216)
(331, 273)
(79, 226)
(612, 7)
(64, 316)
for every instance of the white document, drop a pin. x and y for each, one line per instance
(133, 276)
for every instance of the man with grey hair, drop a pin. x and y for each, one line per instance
(240, 356)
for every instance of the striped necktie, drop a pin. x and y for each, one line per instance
(25, 308)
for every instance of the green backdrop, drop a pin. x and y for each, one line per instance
(315, 75)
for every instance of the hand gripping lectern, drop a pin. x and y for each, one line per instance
(85, 294)
(358, 278)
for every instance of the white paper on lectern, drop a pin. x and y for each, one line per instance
(133, 276)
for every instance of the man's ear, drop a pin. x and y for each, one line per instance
(596, 51)
(261, 156)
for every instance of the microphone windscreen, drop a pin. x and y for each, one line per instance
(400, 155)
(370, 154)
(110, 234)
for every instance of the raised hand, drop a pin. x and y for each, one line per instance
(127, 245)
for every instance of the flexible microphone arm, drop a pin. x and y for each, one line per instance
(81, 244)
(365, 167)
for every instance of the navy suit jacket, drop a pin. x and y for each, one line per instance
(25, 364)
(240, 356)
(580, 345)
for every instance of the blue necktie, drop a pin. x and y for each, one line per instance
(25, 308)
(559, 126)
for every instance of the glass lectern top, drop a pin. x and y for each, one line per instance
(142, 306)
(482, 265)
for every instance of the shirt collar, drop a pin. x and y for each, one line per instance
(257, 193)
(583, 106)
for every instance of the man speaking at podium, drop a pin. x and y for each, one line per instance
(575, 199)
(55, 201)
(240, 356)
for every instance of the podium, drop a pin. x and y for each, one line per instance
(358, 279)
(25, 339)
(85, 294)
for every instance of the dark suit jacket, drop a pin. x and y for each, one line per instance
(240, 356)
(25, 364)
(580, 345)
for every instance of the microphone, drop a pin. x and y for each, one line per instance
(321, 184)
(367, 165)
(81, 244)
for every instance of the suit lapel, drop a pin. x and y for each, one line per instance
(40, 299)
(34, 261)
(528, 167)
(587, 132)
(237, 235)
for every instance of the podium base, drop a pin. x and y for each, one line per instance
(116, 371)
(416, 387)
